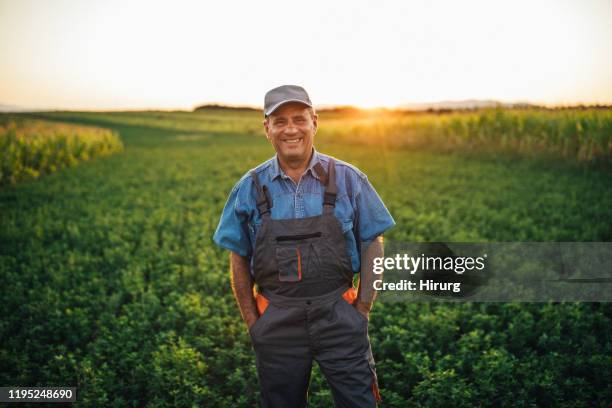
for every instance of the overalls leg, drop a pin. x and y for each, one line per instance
(283, 358)
(345, 357)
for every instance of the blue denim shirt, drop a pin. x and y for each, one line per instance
(360, 210)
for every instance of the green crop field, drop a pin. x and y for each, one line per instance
(111, 282)
(30, 148)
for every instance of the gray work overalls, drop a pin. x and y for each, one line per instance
(303, 273)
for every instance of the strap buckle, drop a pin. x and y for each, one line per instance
(329, 198)
(264, 205)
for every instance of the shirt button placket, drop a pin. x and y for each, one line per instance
(300, 205)
(299, 201)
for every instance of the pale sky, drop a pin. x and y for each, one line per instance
(80, 54)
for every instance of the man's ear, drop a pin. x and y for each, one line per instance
(265, 124)
(315, 121)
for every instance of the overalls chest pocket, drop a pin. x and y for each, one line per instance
(296, 257)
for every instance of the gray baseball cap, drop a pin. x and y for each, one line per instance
(284, 94)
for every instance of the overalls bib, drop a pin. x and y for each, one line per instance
(304, 275)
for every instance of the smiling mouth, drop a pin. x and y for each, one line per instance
(293, 141)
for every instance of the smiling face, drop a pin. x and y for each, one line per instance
(291, 129)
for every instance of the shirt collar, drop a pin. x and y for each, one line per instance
(278, 172)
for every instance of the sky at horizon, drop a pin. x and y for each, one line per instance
(97, 55)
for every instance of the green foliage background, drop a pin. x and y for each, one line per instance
(111, 283)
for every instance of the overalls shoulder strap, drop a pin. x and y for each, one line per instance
(264, 200)
(331, 190)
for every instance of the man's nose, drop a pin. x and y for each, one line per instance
(290, 129)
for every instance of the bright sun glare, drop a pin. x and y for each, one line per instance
(142, 54)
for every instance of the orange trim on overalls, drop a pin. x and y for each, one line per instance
(350, 295)
(376, 391)
(299, 258)
(262, 303)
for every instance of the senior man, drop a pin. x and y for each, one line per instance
(295, 226)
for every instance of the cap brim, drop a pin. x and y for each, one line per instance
(275, 107)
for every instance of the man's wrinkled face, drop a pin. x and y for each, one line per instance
(291, 129)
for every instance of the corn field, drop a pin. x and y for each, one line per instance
(30, 148)
(583, 136)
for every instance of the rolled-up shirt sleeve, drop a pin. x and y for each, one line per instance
(373, 217)
(232, 231)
